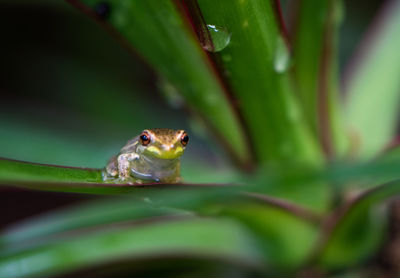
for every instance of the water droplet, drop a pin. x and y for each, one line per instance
(218, 38)
(282, 56)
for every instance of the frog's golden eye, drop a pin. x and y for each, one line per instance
(144, 139)
(184, 139)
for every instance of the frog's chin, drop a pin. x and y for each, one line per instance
(164, 154)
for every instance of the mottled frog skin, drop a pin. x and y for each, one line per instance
(152, 156)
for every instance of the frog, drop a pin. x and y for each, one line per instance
(152, 156)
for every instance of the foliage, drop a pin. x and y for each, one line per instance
(311, 173)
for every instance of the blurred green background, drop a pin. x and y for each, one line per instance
(71, 95)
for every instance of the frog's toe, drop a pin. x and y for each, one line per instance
(128, 180)
(107, 177)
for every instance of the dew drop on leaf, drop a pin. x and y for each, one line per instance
(219, 38)
(282, 57)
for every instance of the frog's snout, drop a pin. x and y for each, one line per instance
(165, 151)
(168, 147)
(171, 152)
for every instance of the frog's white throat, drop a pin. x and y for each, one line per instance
(146, 167)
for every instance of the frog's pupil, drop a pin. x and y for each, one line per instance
(185, 139)
(144, 139)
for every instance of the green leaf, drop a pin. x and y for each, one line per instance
(69, 179)
(374, 87)
(357, 238)
(305, 186)
(299, 184)
(316, 71)
(222, 239)
(163, 37)
(17, 171)
(285, 240)
(307, 54)
(255, 64)
(95, 213)
(264, 217)
(359, 231)
(140, 203)
(363, 175)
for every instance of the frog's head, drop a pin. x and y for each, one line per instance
(163, 143)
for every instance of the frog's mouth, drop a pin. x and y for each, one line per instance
(171, 153)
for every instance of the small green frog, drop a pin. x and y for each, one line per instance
(154, 155)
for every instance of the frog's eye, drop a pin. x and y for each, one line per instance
(144, 139)
(184, 139)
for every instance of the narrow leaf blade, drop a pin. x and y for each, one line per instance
(358, 233)
(315, 71)
(374, 87)
(193, 237)
(255, 64)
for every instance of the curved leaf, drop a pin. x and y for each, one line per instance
(220, 239)
(358, 230)
(11, 170)
(146, 203)
(68, 179)
(140, 204)
(374, 87)
(316, 71)
(285, 240)
(256, 64)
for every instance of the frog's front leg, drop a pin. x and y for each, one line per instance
(124, 165)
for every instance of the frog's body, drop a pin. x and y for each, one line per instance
(154, 155)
